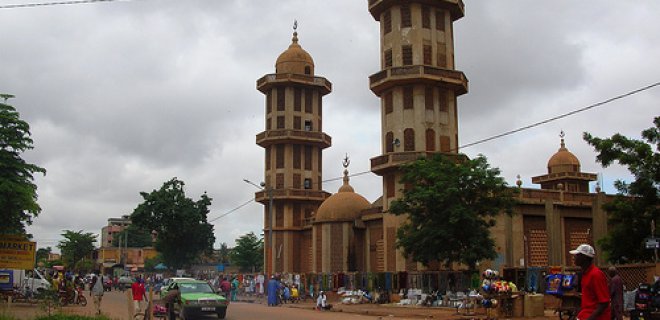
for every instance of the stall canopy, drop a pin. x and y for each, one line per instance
(160, 266)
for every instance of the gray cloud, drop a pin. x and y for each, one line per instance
(123, 96)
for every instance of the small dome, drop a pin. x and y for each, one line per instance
(563, 161)
(295, 59)
(345, 205)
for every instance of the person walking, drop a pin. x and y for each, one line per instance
(139, 294)
(272, 291)
(595, 293)
(96, 290)
(234, 288)
(225, 286)
(616, 293)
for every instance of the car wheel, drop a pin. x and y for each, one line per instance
(222, 313)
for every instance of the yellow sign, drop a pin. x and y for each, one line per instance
(16, 254)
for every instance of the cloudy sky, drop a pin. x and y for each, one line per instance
(122, 96)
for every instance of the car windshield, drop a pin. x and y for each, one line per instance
(195, 287)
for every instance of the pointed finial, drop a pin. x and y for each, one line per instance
(562, 135)
(346, 161)
(295, 32)
(518, 181)
(597, 187)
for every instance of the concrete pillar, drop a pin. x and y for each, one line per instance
(553, 230)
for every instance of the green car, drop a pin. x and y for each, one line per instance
(197, 298)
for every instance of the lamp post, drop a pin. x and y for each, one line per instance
(269, 192)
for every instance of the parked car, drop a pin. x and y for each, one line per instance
(198, 298)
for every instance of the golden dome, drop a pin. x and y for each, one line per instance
(563, 161)
(295, 59)
(345, 205)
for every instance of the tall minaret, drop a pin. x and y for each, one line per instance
(293, 141)
(417, 87)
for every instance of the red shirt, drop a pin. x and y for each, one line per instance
(138, 291)
(594, 291)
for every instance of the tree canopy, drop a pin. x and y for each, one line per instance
(43, 253)
(451, 203)
(182, 230)
(635, 210)
(223, 253)
(248, 254)
(18, 193)
(76, 247)
(137, 237)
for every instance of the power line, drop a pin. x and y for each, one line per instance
(232, 210)
(497, 136)
(44, 4)
(536, 124)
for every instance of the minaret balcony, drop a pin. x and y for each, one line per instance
(291, 194)
(391, 161)
(282, 136)
(269, 81)
(455, 7)
(565, 175)
(418, 74)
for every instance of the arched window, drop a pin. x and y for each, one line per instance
(389, 142)
(409, 140)
(430, 140)
(308, 70)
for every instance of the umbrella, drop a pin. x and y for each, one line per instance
(160, 266)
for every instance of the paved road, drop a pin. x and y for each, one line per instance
(115, 306)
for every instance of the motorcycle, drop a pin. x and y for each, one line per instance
(643, 303)
(77, 297)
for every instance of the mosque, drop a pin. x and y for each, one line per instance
(308, 230)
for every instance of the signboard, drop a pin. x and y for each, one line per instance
(16, 253)
(652, 243)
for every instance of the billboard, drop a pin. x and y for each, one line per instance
(16, 253)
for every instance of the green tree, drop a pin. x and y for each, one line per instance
(18, 193)
(43, 253)
(137, 237)
(76, 247)
(248, 254)
(223, 253)
(151, 263)
(636, 208)
(451, 203)
(183, 232)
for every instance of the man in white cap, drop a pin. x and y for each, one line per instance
(595, 292)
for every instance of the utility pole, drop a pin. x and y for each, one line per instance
(269, 251)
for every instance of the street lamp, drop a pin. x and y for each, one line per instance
(269, 191)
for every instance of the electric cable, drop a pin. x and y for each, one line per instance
(536, 124)
(504, 134)
(44, 4)
(232, 210)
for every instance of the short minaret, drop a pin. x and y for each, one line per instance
(293, 141)
(418, 87)
(564, 172)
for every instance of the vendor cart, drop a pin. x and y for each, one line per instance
(569, 305)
